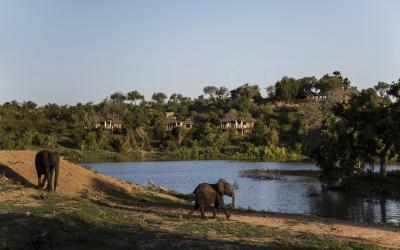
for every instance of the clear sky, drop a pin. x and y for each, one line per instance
(80, 50)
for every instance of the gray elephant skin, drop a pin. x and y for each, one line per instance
(213, 194)
(47, 164)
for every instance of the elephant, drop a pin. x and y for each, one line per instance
(207, 194)
(47, 164)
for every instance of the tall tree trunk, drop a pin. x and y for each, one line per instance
(382, 163)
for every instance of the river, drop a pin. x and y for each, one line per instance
(291, 194)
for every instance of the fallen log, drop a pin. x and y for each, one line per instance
(153, 186)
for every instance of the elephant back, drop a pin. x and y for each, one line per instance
(202, 187)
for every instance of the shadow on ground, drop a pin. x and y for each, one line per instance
(118, 195)
(69, 231)
(15, 177)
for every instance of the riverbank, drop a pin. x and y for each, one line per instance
(271, 174)
(95, 156)
(91, 210)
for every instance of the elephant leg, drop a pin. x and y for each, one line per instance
(202, 208)
(49, 181)
(52, 179)
(43, 183)
(39, 183)
(214, 212)
(191, 212)
(225, 212)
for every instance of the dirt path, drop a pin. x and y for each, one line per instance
(19, 166)
(384, 236)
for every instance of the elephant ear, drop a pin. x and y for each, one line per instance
(221, 186)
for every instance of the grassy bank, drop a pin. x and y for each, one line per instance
(138, 221)
(270, 174)
(91, 156)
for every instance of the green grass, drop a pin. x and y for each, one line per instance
(281, 239)
(83, 223)
(7, 185)
(228, 229)
(312, 241)
(91, 156)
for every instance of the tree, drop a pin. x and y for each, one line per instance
(175, 98)
(332, 82)
(118, 97)
(222, 92)
(305, 87)
(360, 130)
(257, 136)
(395, 114)
(159, 97)
(286, 89)
(371, 118)
(271, 92)
(29, 105)
(246, 97)
(382, 88)
(135, 96)
(394, 90)
(210, 91)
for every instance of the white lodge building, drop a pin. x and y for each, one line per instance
(242, 125)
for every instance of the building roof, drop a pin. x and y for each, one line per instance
(249, 119)
(117, 121)
(231, 117)
(99, 119)
(169, 114)
(188, 121)
(171, 120)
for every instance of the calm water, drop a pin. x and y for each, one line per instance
(301, 195)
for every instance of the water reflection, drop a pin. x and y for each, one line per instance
(292, 194)
(342, 206)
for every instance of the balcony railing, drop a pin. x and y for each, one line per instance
(236, 126)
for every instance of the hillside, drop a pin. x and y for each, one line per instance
(91, 210)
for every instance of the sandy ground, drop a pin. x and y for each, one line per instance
(19, 165)
(72, 178)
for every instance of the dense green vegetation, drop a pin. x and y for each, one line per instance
(360, 130)
(343, 129)
(281, 131)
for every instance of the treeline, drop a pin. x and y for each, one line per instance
(288, 122)
(360, 130)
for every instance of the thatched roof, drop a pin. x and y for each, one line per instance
(188, 121)
(101, 119)
(117, 121)
(231, 117)
(171, 120)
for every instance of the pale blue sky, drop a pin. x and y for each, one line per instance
(79, 51)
